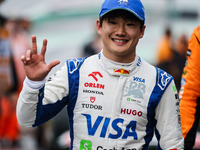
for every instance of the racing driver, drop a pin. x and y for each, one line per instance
(115, 100)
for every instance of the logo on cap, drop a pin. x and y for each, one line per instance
(123, 1)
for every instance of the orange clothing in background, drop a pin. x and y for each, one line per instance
(164, 50)
(9, 128)
(190, 89)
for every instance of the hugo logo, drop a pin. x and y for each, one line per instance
(94, 74)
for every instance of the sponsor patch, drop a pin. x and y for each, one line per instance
(121, 71)
(95, 75)
(164, 80)
(85, 145)
(135, 89)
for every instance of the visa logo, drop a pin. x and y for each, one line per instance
(115, 124)
(137, 79)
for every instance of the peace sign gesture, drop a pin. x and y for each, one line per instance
(35, 66)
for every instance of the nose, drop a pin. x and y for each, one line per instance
(120, 31)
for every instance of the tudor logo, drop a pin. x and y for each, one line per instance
(94, 75)
(92, 99)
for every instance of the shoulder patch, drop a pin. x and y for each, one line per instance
(163, 79)
(74, 64)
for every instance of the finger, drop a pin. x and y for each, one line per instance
(28, 55)
(44, 47)
(34, 44)
(23, 59)
(53, 64)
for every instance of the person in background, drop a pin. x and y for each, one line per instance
(93, 47)
(165, 48)
(114, 99)
(19, 35)
(179, 59)
(9, 128)
(190, 91)
(14, 42)
(175, 64)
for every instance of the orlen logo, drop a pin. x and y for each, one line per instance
(94, 85)
(115, 124)
(121, 71)
(137, 79)
(94, 75)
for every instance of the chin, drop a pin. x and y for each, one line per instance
(123, 52)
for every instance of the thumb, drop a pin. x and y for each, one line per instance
(53, 64)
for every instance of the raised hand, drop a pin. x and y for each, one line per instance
(35, 66)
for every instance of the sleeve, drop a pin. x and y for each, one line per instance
(168, 128)
(190, 84)
(39, 101)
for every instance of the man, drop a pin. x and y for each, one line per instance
(190, 91)
(114, 99)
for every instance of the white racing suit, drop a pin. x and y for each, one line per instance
(111, 106)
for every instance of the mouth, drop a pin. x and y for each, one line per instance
(119, 41)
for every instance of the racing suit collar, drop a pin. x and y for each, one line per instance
(119, 69)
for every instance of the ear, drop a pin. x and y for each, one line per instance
(98, 26)
(142, 31)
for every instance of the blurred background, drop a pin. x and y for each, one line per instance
(70, 28)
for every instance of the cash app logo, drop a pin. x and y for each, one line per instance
(174, 88)
(85, 145)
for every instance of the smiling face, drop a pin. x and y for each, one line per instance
(120, 32)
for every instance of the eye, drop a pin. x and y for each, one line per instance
(112, 22)
(130, 24)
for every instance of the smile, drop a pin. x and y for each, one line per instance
(120, 41)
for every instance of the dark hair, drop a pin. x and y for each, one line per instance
(2, 20)
(123, 14)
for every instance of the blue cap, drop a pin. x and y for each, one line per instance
(134, 6)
